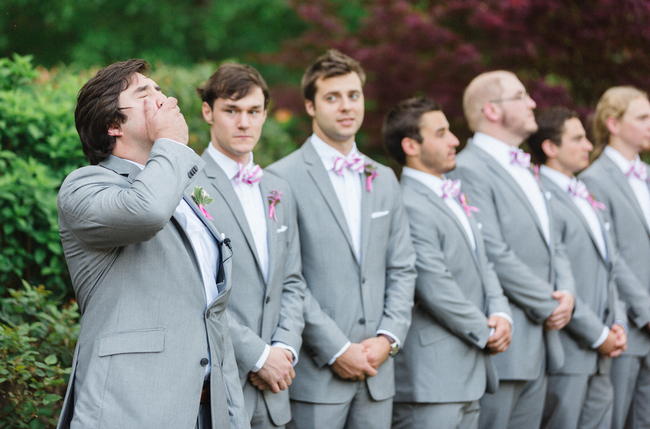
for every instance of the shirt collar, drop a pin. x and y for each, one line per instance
(560, 179)
(429, 180)
(140, 166)
(228, 165)
(327, 153)
(495, 147)
(620, 161)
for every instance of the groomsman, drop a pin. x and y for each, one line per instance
(460, 314)
(257, 211)
(580, 393)
(519, 242)
(619, 179)
(150, 273)
(357, 259)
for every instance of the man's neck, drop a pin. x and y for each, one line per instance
(240, 159)
(344, 147)
(132, 152)
(628, 152)
(555, 165)
(502, 134)
(416, 165)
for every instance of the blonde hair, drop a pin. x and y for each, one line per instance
(483, 88)
(613, 104)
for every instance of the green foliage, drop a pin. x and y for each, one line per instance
(37, 336)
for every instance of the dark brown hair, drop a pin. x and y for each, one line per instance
(402, 121)
(550, 123)
(97, 107)
(233, 82)
(332, 63)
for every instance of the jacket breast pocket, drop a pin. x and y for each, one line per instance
(136, 341)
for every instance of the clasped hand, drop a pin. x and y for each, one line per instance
(362, 360)
(277, 372)
(562, 313)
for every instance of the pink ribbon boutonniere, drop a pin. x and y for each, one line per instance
(202, 199)
(597, 205)
(465, 205)
(370, 171)
(274, 199)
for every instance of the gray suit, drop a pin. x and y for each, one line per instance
(262, 311)
(568, 398)
(529, 270)
(631, 236)
(145, 331)
(347, 299)
(444, 358)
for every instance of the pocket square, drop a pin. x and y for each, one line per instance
(375, 215)
(281, 229)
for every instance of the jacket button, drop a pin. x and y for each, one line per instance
(268, 299)
(362, 321)
(204, 361)
(363, 281)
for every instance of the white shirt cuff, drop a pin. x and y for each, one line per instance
(262, 360)
(504, 316)
(622, 323)
(383, 331)
(601, 339)
(340, 352)
(287, 347)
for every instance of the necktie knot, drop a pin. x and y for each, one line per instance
(638, 170)
(352, 162)
(248, 174)
(450, 188)
(520, 158)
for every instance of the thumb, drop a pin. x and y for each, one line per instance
(492, 323)
(557, 294)
(148, 110)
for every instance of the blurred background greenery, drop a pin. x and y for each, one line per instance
(566, 52)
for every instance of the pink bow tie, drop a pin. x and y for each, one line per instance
(450, 188)
(577, 188)
(638, 170)
(248, 174)
(353, 163)
(520, 158)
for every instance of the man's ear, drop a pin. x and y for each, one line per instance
(310, 108)
(115, 131)
(491, 111)
(411, 147)
(550, 149)
(206, 111)
(612, 125)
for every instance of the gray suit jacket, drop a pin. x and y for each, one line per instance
(145, 330)
(632, 237)
(347, 299)
(262, 312)
(594, 274)
(528, 267)
(444, 357)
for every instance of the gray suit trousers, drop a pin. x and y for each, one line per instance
(516, 405)
(451, 415)
(631, 380)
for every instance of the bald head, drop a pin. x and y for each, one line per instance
(481, 90)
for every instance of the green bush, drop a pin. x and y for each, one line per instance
(37, 335)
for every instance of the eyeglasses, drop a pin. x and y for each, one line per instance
(521, 96)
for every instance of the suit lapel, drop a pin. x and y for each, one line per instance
(512, 186)
(271, 230)
(222, 184)
(621, 181)
(322, 181)
(367, 200)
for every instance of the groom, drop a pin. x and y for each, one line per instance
(151, 275)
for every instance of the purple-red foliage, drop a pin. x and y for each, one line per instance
(567, 52)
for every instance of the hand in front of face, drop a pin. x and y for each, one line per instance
(500, 340)
(277, 372)
(165, 121)
(561, 316)
(353, 364)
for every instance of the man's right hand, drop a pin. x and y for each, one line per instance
(165, 121)
(609, 346)
(277, 372)
(353, 364)
(561, 316)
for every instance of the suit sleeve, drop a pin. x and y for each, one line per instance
(400, 269)
(436, 291)
(291, 323)
(495, 299)
(248, 346)
(236, 407)
(101, 212)
(519, 283)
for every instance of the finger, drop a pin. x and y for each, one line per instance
(148, 110)
(292, 373)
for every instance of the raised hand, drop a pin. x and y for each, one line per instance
(165, 121)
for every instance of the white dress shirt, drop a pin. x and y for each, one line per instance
(347, 188)
(252, 202)
(639, 187)
(435, 184)
(500, 151)
(589, 213)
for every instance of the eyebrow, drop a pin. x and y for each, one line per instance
(144, 88)
(235, 106)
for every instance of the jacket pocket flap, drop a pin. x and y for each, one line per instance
(138, 341)
(429, 335)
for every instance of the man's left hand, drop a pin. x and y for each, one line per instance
(377, 350)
